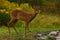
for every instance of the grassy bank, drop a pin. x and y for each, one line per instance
(40, 23)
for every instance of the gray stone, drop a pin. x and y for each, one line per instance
(54, 33)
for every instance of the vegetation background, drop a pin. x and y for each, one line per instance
(47, 19)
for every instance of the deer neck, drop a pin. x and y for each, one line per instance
(35, 14)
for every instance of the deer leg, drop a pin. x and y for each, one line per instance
(15, 29)
(9, 30)
(8, 26)
(12, 22)
(14, 26)
(26, 29)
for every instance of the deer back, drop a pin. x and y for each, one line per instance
(22, 15)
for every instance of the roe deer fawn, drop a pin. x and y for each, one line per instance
(21, 15)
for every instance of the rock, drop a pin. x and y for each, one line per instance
(54, 33)
(58, 37)
(41, 35)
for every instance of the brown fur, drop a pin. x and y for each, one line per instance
(21, 15)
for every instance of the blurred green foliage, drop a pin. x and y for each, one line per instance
(4, 18)
(47, 7)
(26, 7)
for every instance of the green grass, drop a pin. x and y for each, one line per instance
(43, 23)
(4, 33)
